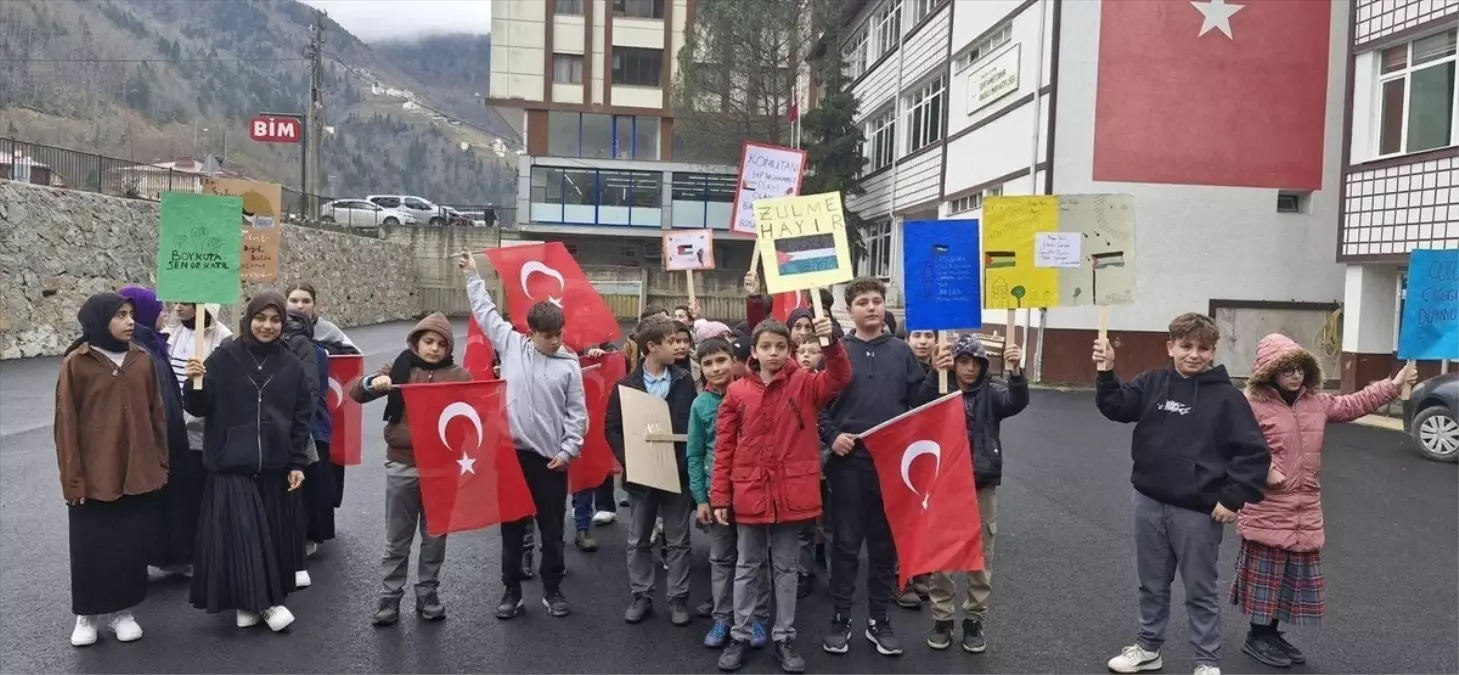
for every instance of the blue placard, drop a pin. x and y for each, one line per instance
(942, 264)
(1430, 328)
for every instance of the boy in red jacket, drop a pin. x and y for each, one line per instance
(767, 472)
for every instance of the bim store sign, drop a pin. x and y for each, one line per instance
(272, 129)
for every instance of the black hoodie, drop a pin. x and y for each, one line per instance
(886, 381)
(1196, 440)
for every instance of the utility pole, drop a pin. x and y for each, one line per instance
(314, 113)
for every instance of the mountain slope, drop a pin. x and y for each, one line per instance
(151, 79)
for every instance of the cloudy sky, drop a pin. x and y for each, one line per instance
(373, 20)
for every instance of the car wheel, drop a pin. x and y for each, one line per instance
(1437, 434)
(392, 221)
(437, 221)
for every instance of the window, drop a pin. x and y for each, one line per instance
(924, 114)
(973, 201)
(637, 67)
(986, 46)
(564, 134)
(599, 135)
(920, 9)
(645, 138)
(567, 68)
(569, 7)
(881, 140)
(854, 54)
(704, 187)
(1416, 95)
(639, 9)
(878, 244)
(888, 27)
(630, 188)
(1292, 202)
(546, 185)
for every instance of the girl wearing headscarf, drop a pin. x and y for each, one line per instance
(111, 445)
(303, 298)
(257, 408)
(177, 515)
(318, 498)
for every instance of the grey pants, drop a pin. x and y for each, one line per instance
(723, 556)
(645, 506)
(781, 543)
(1170, 539)
(805, 563)
(404, 515)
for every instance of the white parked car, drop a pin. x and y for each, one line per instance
(360, 213)
(424, 210)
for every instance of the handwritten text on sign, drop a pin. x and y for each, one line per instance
(1430, 328)
(782, 218)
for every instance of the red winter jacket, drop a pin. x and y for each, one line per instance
(767, 451)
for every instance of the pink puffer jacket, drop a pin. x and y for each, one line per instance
(1291, 515)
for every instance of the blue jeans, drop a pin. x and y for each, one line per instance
(585, 503)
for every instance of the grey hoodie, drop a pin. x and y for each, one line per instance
(545, 402)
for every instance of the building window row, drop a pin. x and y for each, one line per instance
(878, 244)
(888, 23)
(598, 135)
(596, 196)
(986, 46)
(973, 201)
(882, 33)
(568, 7)
(636, 66)
(881, 140)
(925, 108)
(1416, 95)
(639, 9)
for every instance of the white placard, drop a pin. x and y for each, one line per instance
(688, 250)
(765, 171)
(1057, 249)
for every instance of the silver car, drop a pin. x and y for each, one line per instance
(360, 213)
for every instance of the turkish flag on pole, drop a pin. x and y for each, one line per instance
(469, 475)
(782, 304)
(597, 463)
(344, 443)
(1212, 92)
(547, 272)
(925, 467)
(479, 355)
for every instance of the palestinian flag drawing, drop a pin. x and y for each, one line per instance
(1105, 260)
(804, 255)
(999, 259)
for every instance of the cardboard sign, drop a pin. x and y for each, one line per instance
(688, 250)
(1430, 328)
(1058, 251)
(648, 441)
(198, 248)
(765, 171)
(802, 241)
(260, 259)
(262, 202)
(942, 265)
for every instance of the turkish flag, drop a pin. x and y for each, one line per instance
(785, 303)
(469, 475)
(479, 355)
(548, 273)
(344, 440)
(1212, 92)
(925, 467)
(597, 463)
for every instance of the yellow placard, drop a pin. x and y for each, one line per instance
(802, 242)
(1058, 251)
(1010, 226)
(262, 202)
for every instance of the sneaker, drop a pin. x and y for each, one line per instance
(790, 659)
(585, 541)
(838, 639)
(429, 606)
(880, 634)
(679, 612)
(247, 619)
(1135, 659)
(733, 656)
(805, 584)
(717, 636)
(510, 605)
(1296, 655)
(310, 548)
(704, 609)
(604, 518)
(278, 617)
(301, 579)
(125, 627)
(177, 570)
(941, 636)
(1208, 670)
(908, 599)
(1266, 650)
(973, 641)
(664, 556)
(556, 604)
(759, 635)
(388, 612)
(641, 608)
(85, 632)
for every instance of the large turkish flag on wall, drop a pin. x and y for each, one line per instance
(1213, 92)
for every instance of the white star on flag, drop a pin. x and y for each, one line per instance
(1216, 14)
(468, 464)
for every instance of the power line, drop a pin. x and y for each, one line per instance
(160, 61)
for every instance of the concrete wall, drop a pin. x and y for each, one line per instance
(57, 247)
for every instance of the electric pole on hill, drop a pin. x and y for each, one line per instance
(314, 114)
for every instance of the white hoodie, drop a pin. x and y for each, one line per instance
(181, 347)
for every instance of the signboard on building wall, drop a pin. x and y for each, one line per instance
(765, 171)
(992, 82)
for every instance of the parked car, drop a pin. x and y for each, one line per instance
(360, 213)
(1431, 415)
(424, 210)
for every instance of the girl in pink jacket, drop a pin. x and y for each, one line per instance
(1279, 569)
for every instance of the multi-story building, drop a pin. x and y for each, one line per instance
(1400, 182)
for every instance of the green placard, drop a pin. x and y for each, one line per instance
(198, 245)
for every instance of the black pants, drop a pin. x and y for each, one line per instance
(549, 494)
(857, 516)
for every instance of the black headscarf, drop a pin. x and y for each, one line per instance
(95, 318)
(263, 300)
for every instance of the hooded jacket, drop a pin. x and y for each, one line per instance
(1291, 515)
(398, 447)
(986, 403)
(1196, 441)
(545, 403)
(886, 381)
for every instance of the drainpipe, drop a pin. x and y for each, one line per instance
(894, 239)
(1033, 172)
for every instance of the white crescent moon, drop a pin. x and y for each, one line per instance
(454, 410)
(539, 267)
(338, 391)
(915, 450)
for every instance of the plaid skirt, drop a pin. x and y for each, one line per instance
(1276, 584)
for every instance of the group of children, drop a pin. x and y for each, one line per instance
(218, 473)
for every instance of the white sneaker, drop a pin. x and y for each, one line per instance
(1135, 659)
(301, 579)
(124, 625)
(247, 619)
(604, 517)
(278, 617)
(310, 548)
(1208, 670)
(84, 633)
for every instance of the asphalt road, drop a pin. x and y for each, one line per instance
(1063, 599)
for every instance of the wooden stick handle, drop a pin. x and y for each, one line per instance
(820, 312)
(1104, 322)
(200, 323)
(755, 261)
(689, 279)
(1407, 390)
(942, 375)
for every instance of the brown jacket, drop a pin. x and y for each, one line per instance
(398, 447)
(110, 436)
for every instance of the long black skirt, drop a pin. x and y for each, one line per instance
(250, 542)
(319, 497)
(108, 567)
(181, 499)
(338, 471)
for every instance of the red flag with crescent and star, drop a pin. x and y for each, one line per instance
(469, 475)
(597, 462)
(479, 355)
(925, 466)
(782, 304)
(344, 413)
(548, 273)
